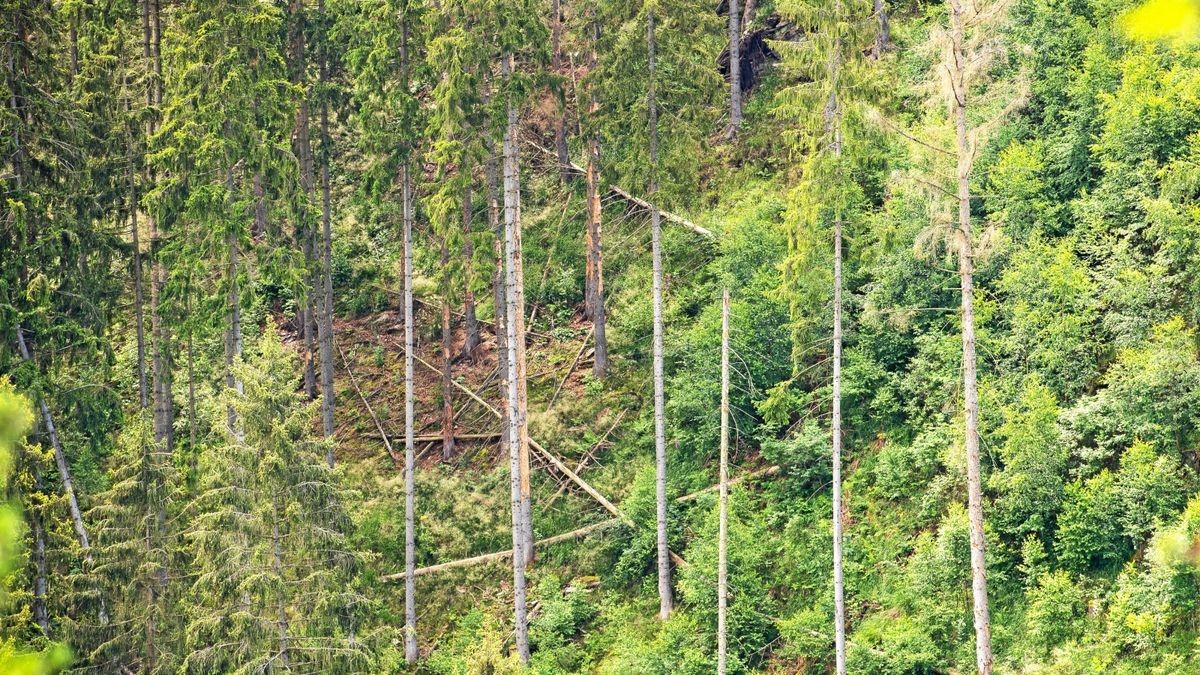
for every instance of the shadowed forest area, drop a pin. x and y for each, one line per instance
(600, 336)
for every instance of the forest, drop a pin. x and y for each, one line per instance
(600, 336)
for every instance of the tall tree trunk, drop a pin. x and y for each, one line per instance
(833, 126)
(233, 317)
(305, 230)
(660, 438)
(64, 474)
(325, 327)
(556, 63)
(160, 337)
(410, 461)
(723, 537)
(499, 289)
(447, 357)
(518, 437)
(735, 69)
(883, 35)
(470, 321)
(138, 300)
(594, 290)
(410, 607)
(983, 632)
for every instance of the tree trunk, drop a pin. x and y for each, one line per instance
(883, 35)
(660, 439)
(518, 437)
(138, 300)
(499, 291)
(833, 123)
(447, 373)
(164, 408)
(735, 69)
(748, 14)
(594, 290)
(410, 461)
(410, 607)
(556, 63)
(471, 323)
(983, 633)
(723, 538)
(233, 318)
(325, 326)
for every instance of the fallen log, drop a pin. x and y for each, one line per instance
(566, 536)
(595, 494)
(396, 459)
(503, 555)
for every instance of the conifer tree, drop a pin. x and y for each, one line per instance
(656, 36)
(135, 552)
(384, 57)
(835, 84)
(274, 576)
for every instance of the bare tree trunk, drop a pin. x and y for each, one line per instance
(958, 65)
(735, 69)
(518, 436)
(447, 374)
(556, 62)
(660, 439)
(594, 287)
(723, 537)
(410, 462)
(883, 35)
(325, 327)
(410, 607)
(499, 291)
(833, 123)
(471, 323)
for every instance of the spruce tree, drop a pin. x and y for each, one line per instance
(136, 550)
(274, 576)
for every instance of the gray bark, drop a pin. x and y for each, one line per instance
(410, 462)
(735, 68)
(723, 537)
(883, 34)
(957, 67)
(833, 121)
(410, 607)
(594, 283)
(660, 441)
(325, 326)
(518, 437)
(447, 374)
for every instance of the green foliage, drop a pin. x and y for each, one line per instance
(273, 570)
(16, 658)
